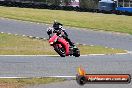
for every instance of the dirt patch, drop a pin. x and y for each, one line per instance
(9, 85)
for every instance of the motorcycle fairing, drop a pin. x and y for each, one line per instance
(55, 38)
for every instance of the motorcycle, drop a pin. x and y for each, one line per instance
(62, 47)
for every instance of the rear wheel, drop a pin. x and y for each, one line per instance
(76, 53)
(60, 49)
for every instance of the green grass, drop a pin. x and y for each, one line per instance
(95, 21)
(20, 83)
(98, 50)
(18, 45)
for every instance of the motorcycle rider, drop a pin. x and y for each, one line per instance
(58, 28)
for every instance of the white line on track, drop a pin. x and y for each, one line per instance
(121, 53)
(38, 77)
(12, 77)
(8, 33)
(2, 32)
(59, 76)
(59, 56)
(27, 55)
(23, 35)
(37, 37)
(130, 52)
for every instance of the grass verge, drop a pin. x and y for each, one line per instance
(95, 21)
(18, 45)
(20, 83)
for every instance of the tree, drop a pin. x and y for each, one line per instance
(54, 2)
(88, 3)
(40, 0)
(66, 2)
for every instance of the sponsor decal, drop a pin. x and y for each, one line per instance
(83, 78)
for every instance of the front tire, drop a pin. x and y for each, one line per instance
(61, 51)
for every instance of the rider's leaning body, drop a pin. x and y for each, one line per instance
(58, 28)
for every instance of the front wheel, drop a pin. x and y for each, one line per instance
(60, 49)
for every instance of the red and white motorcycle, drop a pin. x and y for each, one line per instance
(62, 47)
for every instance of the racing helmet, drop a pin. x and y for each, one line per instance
(57, 25)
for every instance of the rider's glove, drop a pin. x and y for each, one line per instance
(49, 30)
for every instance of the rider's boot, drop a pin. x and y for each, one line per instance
(72, 45)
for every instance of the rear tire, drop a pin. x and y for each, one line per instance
(61, 51)
(76, 53)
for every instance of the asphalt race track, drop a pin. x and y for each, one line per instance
(122, 41)
(73, 84)
(39, 66)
